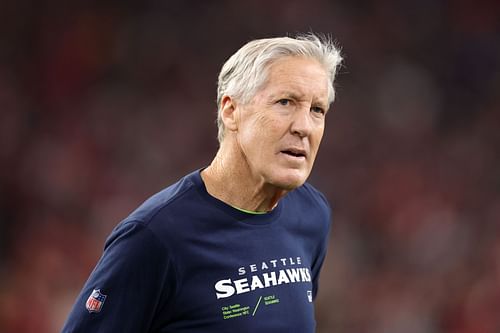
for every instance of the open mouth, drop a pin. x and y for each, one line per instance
(294, 153)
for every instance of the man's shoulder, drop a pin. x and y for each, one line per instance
(308, 211)
(170, 198)
(310, 195)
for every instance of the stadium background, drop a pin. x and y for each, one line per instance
(103, 103)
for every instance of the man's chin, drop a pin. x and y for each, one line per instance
(290, 180)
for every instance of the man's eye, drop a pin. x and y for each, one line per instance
(284, 101)
(317, 109)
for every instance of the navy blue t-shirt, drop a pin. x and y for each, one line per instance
(185, 261)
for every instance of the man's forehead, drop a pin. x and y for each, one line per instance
(297, 90)
(298, 75)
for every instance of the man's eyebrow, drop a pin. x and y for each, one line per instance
(321, 102)
(287, 94)
(317, 101)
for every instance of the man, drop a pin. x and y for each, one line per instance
(236, 246)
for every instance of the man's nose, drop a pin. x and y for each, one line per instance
(302, 122)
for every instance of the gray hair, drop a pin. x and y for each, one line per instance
(245, 72)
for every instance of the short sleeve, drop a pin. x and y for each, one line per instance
(133, 282)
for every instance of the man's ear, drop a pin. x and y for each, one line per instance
(229, 113)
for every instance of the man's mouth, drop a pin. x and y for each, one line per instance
(294, 152)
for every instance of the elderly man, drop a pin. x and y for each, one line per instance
(236, 246)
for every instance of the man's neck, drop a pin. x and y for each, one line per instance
(229, 179)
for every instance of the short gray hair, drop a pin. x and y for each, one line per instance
(244, 73)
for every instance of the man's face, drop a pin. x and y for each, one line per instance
(280, 129)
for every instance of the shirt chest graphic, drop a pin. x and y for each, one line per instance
(257, 287)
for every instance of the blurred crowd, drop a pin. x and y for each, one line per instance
(103, 103)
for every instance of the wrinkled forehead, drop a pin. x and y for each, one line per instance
(298, 76)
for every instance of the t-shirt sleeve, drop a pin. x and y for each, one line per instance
(133, 281)
(322, 247)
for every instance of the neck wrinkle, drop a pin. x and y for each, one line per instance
(229, 179)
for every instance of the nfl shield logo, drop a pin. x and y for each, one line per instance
(95, 301)
(310, 296)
